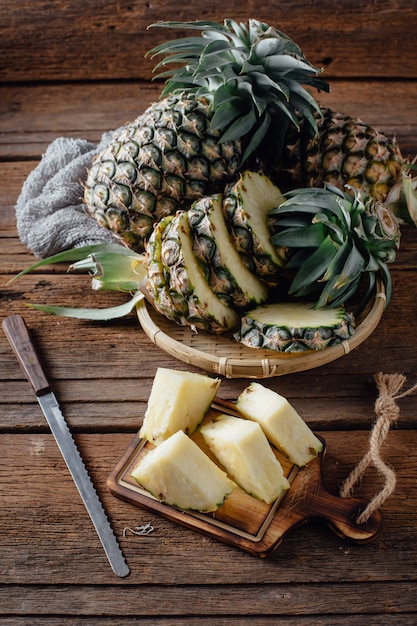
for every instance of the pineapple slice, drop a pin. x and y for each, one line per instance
(213, 246)
(179, 473)
(244, 451)
(282, 425)
(294, 327)
(247, 206)
(178, 401)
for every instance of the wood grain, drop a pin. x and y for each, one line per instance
(108, 40)
(77, 69)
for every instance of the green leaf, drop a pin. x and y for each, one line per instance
(224, 115)
(257, 136)
(310, 236)
(76, 254)
(240, 127)
(314, 267)
(91, 314)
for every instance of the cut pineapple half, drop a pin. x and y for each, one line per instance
(179, 473)
(227, 274)
(244, 451)
(281, 423)
(178, 401)
(294, 327)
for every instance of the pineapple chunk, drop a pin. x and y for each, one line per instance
(178, 401)
(282, 425)
(244, 451)
(179, 473)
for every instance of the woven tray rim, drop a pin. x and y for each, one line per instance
(222, 355)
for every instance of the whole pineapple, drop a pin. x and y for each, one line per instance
(347, 152)
(235, 85)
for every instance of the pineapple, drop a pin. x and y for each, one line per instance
(294, 327)
(237, 84)
(179, 473)
(163, 161)
(247, 205)
(243, 450)
(333, 243)
(348, 152)
(188, 284)
(282, 425)
(214, 248)
(178, 401)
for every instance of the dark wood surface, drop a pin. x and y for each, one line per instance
(76, 69)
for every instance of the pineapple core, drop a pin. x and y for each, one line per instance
(282, 425)
(179, 473)
(245, 453)
(178, 401)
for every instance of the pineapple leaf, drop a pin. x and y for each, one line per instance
(314, 267)
(77, 254)
(91, 314)
(309, 236)
(257, 136)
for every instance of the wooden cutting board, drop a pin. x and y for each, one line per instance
(243, 521)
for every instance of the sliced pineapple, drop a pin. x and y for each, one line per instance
(294, 327)
(179, 473)
(281, 423)
(227, 275)
(247, 205)
(243, 450)
(188, 283)
(178, 401)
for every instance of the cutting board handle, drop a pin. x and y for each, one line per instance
(308, 499)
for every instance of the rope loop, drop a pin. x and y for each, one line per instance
(387, 412)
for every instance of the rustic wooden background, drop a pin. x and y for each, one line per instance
(76, 68)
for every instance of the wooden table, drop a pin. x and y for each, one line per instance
(53, 569)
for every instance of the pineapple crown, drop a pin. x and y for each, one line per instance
(251, 76)
(334, 240)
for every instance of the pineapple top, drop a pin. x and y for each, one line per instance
(252, 76)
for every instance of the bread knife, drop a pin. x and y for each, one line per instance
(18, 336)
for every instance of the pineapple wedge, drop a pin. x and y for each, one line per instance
(178, 401)
(244, 451)
(282, 425)
(179, 473)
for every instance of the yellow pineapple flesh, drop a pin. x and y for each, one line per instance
(281, 423)
(178, 401)
(242, 448)
(179, 473)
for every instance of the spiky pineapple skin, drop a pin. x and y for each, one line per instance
(345, 151)
(160, 163)
(177, 297)
(288, 336)
(208, 249)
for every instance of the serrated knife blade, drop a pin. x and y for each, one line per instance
(18, 336)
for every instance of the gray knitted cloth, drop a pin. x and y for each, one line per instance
(50, 214)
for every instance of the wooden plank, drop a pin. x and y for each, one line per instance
(33, 115)
(41, 508)
(95, 40)
(227, 601)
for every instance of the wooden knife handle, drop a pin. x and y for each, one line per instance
(18, 336)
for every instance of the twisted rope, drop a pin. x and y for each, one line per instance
(387, 412)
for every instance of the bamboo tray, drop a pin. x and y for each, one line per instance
(243, 521)
(221, 354)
